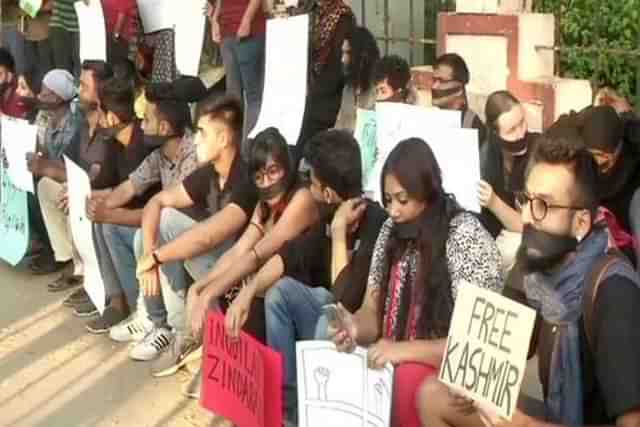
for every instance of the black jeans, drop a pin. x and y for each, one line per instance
(39, 61)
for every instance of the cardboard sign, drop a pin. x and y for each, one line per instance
(365, 134)
(487, 348)
(19, 138)
(14, 217)
(31, 7)
(285, 82)
(155, 15)
(93, 31)
(79, 189)
(189, 24)
(241, 379)
(338, 389)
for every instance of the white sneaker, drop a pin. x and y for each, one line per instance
(152, 344)
(133, 328)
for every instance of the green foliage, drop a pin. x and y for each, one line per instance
(598, 25)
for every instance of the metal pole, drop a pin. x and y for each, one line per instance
(386, 27)
(411, 35)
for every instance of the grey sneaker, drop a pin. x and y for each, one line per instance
(192, 388)
(86, 309)
(182, 350)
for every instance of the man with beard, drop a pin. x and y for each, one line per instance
(329, 263)
(448, 90)
(618, 159)
(86, 150)
(588, 350)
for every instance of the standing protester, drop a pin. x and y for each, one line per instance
(448, 90)
(37, 49)
(121, 18)
(391, 77)
(65, 37)
(332, 22)
(239, 27)
(588, 304)
(360, 54)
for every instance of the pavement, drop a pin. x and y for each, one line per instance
(53, 373)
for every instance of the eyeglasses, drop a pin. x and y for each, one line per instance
(539, 207)
(272, 171)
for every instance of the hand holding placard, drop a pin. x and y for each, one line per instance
(487, 348)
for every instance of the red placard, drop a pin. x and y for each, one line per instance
(239, 375)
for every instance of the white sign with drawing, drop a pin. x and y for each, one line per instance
(79, 189)
(189, 23)
(155, 14)
(339, 390)
(93, 32)
(486, 353)
(457, 150)
(19, 138)
(285, 83)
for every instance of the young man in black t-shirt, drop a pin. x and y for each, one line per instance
(599, 382)
(169, 236)
(327, 264)
(114, 229)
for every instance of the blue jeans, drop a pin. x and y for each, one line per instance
(244, 68)
(168, 310)
(292, 310)
(114, 244)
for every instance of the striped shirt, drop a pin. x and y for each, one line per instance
(64, 15)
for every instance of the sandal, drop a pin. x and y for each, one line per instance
(65, 282)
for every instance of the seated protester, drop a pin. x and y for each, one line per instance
(618, 161)
(13, 97)
(57, 122)
(321, 266)
(360, 54)
(503, 159)
(166, 131)
(172, 239)
(285, 210)
(448, 90)
(333, 22)
(391, 78)
(114, 225)
(427, 247)
(91, 153)
(595, 379)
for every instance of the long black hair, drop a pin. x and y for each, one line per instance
(364, 56)
(414, 165)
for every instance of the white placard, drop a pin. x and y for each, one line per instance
(338, 389)
(79, 190)
(93, 31)
(189, 23)
(457, 150)
(487, 348)
(285, 83)
(19, 139)
(156, 14)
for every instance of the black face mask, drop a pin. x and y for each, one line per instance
(407, 230)
(542, 251)
(155, 141)
(4, 86)
(437, 94)
(272, 191)
(518, 147)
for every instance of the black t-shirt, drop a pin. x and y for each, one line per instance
(611, 375)
(127, 158)
(505, 185)
(89, 151)
(202, 186)
(308, 258)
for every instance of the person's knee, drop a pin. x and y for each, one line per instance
(275, 296)
(429, 398)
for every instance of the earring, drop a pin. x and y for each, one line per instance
(579, 238)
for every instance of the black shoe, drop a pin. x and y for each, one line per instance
(76, 298)
(86, 309)
(46, 265)
(109, 318)
(64, 282)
